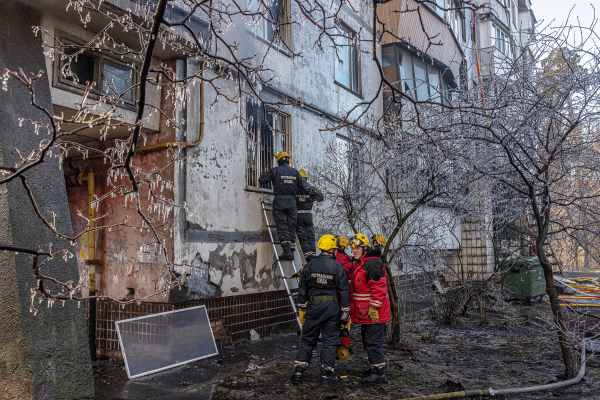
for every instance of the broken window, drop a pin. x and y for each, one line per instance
(347, 66)
(111, 76)
(270, 21)
(267, 133)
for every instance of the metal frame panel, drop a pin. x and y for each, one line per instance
(172, 365)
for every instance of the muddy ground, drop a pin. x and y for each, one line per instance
(501, 348)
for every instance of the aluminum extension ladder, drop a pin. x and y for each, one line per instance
(267, 207)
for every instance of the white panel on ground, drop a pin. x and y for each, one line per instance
(160, 341)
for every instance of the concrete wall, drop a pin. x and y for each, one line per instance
(226, 227)
(46, 354)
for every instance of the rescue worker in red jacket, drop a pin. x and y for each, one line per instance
(345, 260)
(369, 302)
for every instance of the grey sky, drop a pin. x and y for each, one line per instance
(559, 9)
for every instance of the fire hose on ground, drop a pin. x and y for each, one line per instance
(510, 391)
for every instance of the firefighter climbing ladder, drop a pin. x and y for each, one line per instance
(267, 208)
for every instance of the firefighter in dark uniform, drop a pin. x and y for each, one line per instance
(287, 183)
(324, 305)
(305, 228)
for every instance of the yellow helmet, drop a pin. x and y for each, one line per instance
(327, 242)
(281, 155)
(379, 239)
(359, 240)
(303, 174)
(343, 242)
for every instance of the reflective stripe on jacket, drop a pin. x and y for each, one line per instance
(368, 286)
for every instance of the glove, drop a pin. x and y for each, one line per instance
(302, 315)
(297, 274)
(345, 317)
(345, 320)
(374, 315)
(347, 325)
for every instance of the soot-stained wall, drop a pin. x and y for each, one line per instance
(225, 228)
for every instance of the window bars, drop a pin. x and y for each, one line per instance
(267, 133)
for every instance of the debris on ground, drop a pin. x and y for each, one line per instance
(514, 348)
(254, 336)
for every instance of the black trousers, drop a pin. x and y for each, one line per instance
(306, 234)
(372, 338)
(321, 318)
(285, 214)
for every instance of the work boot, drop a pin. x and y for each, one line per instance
(367, 371)
(376, 376)
(287, 254)
(309, 258)
(328, 377)
(297, 376)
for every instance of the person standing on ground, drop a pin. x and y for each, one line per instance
(345, 260)
(287, 183)
(305, 228)
(323, 304)
(369, 302)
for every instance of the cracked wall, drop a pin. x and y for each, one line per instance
(226, 227)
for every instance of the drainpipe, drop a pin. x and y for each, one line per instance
(503, 392)
(90, 259)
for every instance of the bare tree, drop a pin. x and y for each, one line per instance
(532, 139)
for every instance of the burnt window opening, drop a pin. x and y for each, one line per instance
(267, 133)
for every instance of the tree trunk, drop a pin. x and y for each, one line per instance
(561, 329)
(394, 337)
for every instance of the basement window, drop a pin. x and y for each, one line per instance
(267, 133)
(129, 293)
(111, 76)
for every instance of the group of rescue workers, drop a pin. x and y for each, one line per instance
(336, 290)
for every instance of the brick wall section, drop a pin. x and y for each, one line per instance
(264, 312)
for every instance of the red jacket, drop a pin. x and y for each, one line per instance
(368, 286)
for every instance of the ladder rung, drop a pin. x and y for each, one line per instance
(272, 226)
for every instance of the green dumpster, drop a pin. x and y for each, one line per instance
(522, 278)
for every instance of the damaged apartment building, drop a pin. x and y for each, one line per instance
(222, 235)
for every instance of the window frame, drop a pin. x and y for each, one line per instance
(285, 34)
(502, 42)
(444, 90)
(352, 36)
(58, 81)
(353, 161)
(253, 171)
